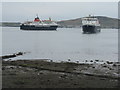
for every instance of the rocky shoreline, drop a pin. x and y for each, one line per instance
(48, 74)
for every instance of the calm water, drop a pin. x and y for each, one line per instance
(63, 44)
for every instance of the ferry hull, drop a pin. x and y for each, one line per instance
(90, 29)
(32, 27)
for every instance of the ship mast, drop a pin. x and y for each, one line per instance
(37, 15)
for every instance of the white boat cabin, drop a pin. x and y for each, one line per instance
(90, 21)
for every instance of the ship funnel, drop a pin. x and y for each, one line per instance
(50, 19)
(37, 18)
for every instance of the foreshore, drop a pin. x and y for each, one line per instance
(48, 74)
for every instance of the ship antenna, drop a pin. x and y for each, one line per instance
(37, 15)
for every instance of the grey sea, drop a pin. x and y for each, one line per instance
(61, 45)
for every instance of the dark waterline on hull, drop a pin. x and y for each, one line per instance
(27, 27)
(90, 29)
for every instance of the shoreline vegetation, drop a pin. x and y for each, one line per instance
(44, 73)
(106, 22)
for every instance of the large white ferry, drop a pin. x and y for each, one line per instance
(38, 24)
(90, 24)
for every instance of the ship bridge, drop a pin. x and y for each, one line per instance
(90, 21)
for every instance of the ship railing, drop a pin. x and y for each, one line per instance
(91, 24)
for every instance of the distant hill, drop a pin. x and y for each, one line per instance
(106, 22)
(10, 24)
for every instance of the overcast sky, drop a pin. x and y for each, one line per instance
(22, 11)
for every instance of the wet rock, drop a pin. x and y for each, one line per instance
(12, 67)
(102, 61)
(75, 84)
(51, 60)
(3, 68)
(62, 61)
(86, 60)
(77, 61)
(63, 76)
(91, 60)
(109, 62)
(41, 73)
(19, 53)
(97, 60)
(94, 62)
(69, 60)
(114, 65)
(8, 56)
(12, 55)
(74, 68)
(48, 80)
(111, 69)
(104, 65)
